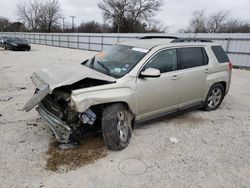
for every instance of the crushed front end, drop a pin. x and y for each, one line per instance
(67, 124)
(53, 100)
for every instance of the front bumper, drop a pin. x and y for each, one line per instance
(61, 130)
(21, 47)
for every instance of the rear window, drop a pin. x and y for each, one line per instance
(192, 57)
(220, 54)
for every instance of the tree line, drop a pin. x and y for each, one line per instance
(217, 22)
(123, 16)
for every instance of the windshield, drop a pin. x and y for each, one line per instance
(17, 40)
(117, 60)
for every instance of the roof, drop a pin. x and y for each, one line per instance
(146, 43)
(149, 43)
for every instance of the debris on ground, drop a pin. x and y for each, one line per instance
(68, 146)
(20, 88)
(31, 124)
(174, 140)
(6, 98)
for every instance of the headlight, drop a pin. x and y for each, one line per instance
(37, 81)
(14, 44)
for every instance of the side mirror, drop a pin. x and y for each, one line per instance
(84, 62)
(150, 73)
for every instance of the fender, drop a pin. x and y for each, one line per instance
(83, 99)
(216, 78)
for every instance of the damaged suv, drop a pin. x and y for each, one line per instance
(130, 82)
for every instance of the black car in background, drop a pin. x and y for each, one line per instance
(16, 43)
(2, 39)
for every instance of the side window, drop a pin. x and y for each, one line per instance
(165, 61)
(192, 57)
(220, 54)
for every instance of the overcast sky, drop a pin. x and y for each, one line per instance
(174, 13)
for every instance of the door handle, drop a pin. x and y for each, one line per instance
(206, 70)
(175, 77)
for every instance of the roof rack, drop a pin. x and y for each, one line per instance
(159, 37)
(190, 40)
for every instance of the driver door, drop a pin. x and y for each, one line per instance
(157, 96)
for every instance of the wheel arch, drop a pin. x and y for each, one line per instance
(104, 97)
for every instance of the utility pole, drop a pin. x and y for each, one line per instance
(73, 27)
(63, 24)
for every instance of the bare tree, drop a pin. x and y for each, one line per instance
(198, 21)
(50, 15)
(4, 24)
(30, 12)
(236, 26)
(124, 14)
(40, 15)
(217, 21)
(93, 27)
(155, 26)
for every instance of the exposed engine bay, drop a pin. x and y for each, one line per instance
(67, 124)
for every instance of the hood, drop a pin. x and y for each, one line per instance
(19, 43)
(58, 75)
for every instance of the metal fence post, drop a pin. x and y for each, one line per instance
(89, 42)
(68, 41)
(52, 38)
(59, 40)
(102, 43)
(77, 41)
(228, 44)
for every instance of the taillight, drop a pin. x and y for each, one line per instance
(230, 66)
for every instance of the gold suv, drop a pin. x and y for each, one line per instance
(130, 82)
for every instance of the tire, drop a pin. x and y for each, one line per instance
(116, 126)
(12, 48)
(214, 97)
(5, 46)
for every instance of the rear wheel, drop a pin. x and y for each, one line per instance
(116, 126)
(214, 97)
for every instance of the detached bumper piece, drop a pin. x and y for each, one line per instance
(61, 130)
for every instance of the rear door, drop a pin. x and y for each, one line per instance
(193, 65)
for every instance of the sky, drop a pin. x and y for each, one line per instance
(174, 13)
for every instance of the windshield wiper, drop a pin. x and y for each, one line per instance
(103, 66)
(93, 60)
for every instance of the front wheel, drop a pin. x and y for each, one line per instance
(116, 126)
(214, 97)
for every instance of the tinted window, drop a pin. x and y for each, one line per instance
(192, 57)
(220, 54)
(205, 57)
(165, 61)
